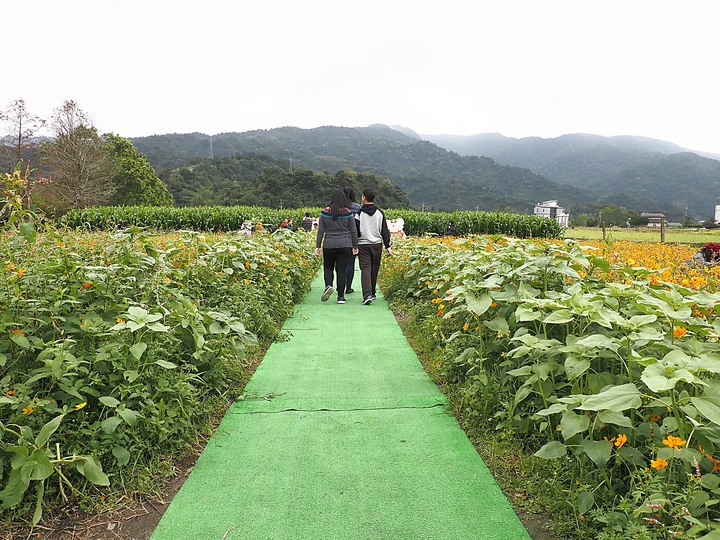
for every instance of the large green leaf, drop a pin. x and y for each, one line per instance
(707, 408)
(92, 470)
(575, 366)
(47, 430)
(573, 423)
(552, 450)
(477, 305)
(598, 451)
(614, 398)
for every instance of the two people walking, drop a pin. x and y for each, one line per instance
(342, 234)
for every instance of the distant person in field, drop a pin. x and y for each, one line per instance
(307, 222)
(286, 223)
(451, 231)
(337, 241)
(354, 208)
(373, 232)
(707, 256)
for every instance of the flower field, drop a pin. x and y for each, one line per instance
(602, 359)
(118, 349)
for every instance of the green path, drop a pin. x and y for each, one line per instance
(343, 436)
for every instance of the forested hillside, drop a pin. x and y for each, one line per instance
(257, 180)
(431, 176)
(640, 173)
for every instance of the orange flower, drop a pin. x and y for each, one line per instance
(11, 392)
(621, 439)
(466, 326)
(655, 417)
(18, 331)
(674, 442)
(658, 463)
(679, 332)
(87, 285)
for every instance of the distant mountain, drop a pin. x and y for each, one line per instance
(488, 171)
(640, 172)
(430, 176)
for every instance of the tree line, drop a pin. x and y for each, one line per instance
(75, 166)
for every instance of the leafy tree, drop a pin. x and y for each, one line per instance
(20, 143)
(83, 168)
(135, 182)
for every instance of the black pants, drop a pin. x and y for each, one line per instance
(335, 262)
(350, 274)
(369, 256)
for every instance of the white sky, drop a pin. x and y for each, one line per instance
(518, 67)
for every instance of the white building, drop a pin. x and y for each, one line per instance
(550, 209)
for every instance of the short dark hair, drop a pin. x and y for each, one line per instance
(307, 214)
(369, 194)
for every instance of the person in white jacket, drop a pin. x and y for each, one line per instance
(373, 232)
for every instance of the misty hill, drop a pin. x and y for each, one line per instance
(640, 173)
(428, 174)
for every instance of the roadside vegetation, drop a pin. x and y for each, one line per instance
(119, 349)
(600, 366)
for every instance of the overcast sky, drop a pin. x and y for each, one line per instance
(517, 67)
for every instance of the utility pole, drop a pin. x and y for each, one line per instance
(280, 204)
(423, 208)
(211, 155)
(291, 166)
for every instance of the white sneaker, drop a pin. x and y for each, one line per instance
(325, 295)
(368, 301)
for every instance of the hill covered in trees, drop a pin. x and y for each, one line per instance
(487, 172)
(637, 172)
(258, 180)
(430, 176)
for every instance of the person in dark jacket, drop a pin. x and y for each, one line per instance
(354, 208)
(337, 240)
(373, 232)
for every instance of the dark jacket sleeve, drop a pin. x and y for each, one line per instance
(320, 232)
(354, 229)
(384, 231)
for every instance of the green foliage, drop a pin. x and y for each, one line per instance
(135, 180)
(231, 218)
(256, 180)
(113, 346)
(618, 381)
(429, 175)
(466, 223)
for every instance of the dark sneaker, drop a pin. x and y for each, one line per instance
(349, 291)
(325, 295)
(341, 300)
(368, 301)
(373, 297)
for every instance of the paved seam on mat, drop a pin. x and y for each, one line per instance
(355, 443)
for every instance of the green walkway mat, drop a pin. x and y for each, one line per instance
(341, 435)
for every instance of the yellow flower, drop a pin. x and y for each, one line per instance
(674, 442)
(20, 272)
(80, 405)
(658, 463)
(119, 320)
(679, 332)
(621, 439)
(28, 409)
(466, 326)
